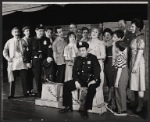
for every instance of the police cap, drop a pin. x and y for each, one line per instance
(39, 27)
(82, 44)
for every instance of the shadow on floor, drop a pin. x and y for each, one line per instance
(22, 108)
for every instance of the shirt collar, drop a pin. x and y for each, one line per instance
(17, 39)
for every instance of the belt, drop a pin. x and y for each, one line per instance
(124, 66)
(86, 77)
(101, 59)
(121, 67)
(36, 57)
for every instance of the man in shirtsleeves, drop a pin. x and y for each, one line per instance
(128, 37)
(58, 54)
(13, 53)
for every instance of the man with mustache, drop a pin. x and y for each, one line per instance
(13, 53)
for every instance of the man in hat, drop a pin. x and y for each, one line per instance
(73, 28)
(13, 53)
(86, 73)
(128, 35)
(39, 48)
(27, 59)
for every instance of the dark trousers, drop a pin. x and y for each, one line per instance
(60, 75)
(69, 86)
(54, 71)
(23, 76)
(49, 72)
(37, 70)
(29, 79)
(111, 94)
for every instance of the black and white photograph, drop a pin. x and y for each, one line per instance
(75, 61)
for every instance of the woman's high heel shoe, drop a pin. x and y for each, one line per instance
(140, 105)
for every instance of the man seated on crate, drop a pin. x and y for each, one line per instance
(86, 73)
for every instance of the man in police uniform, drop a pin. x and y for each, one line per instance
(49, 67)
(39, 45)
(86, 73)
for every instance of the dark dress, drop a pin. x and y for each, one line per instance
(108, 70)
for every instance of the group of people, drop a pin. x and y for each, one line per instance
(80, 61)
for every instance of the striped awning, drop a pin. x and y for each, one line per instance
(11, 8)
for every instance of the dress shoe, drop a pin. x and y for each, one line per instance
(139, 108)
(121, 113)
(32, 94)
(45, 81)
(80, 111)
(66, 109)
(11, 97)
(37, 95)
(84, 114)
(140, 105)
(109, 108)
(26, 95)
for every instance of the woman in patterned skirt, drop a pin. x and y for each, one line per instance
(137, 79)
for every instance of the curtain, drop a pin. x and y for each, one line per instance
(11, 8)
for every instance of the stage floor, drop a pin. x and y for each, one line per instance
(22, 108)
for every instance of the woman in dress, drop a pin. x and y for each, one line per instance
(85, 34)
(70, 53)
(137, 78)
(97, 48)
(108, 70)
